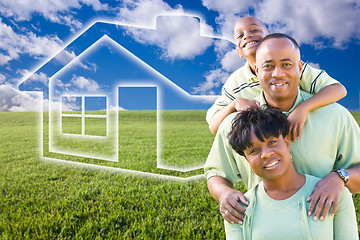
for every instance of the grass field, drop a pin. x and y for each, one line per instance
(41, 199)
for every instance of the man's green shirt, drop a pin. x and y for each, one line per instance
(330, 139)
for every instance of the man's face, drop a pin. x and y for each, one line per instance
(278, 67)
(269, 159)
(248, 31)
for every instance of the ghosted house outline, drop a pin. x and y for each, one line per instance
(96, 37)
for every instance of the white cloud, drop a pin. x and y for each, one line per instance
(14, 45)
(57, 11)
(232, 61)
(314, 65)
(307, 22)
(213, 80)
(12, 100)
(84, 84)
(4, 59)
(2, 78)
(228, 6)
(33, 77)
(178, 37)
(320, 23)
(229, 11)
(145, 11)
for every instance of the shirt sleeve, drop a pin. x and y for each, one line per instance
(348, 154)
(221, 161)
(345, 225)
(226, 97)
(233, 231)
(313, 80)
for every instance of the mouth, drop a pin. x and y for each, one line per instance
(271, 164)
(279, 84)
(250, 44)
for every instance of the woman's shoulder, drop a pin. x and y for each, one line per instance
(311, 180)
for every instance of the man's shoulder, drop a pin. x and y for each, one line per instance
(226, 124)
(333, 108)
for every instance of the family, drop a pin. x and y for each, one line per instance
(279, 131)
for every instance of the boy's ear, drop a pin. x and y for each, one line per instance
(237, 49)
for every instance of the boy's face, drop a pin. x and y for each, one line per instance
(269, 159)
(248, 31)
(278, 67)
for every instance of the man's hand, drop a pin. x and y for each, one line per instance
(241, 104)
(297, 119)
(326, 192)
(230, 209)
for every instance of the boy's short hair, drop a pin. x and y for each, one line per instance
(264, 122)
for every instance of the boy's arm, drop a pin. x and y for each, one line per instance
(325, 96)
(238, 104)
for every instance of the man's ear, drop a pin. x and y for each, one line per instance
(301, 65)
(256, 69)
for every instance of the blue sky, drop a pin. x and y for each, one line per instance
(39, 38)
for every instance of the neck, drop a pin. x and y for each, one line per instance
(284, 186)
(251, 61)
(283, 104)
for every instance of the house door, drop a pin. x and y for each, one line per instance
(138, 127)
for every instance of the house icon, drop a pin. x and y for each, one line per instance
(114, 69)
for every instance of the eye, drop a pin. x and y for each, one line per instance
(253, 151)
(272, 142)
(287, 65)
(267, 67)
(254, 30)
(240, 36)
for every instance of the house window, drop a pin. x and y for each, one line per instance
(84, 115)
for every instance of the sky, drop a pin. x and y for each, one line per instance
(123, 48)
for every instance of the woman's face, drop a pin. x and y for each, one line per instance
(269, 159)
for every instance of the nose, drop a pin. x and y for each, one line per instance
(266, 152)
(277, 72)
(247, 34)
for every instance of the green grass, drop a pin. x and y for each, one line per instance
(184, 141)
(41, 199)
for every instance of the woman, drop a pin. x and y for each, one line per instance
(277, 208)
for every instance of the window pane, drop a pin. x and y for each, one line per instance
(71, 105)
(95, 105)
(72, 125)
(95, 126)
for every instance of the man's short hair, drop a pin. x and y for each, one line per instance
(278, 35)
(264, 122)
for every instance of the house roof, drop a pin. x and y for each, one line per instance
(134, 40)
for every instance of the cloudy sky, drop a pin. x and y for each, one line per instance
(34, 32)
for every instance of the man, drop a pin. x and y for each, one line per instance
(329, 140)
(242, 86)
